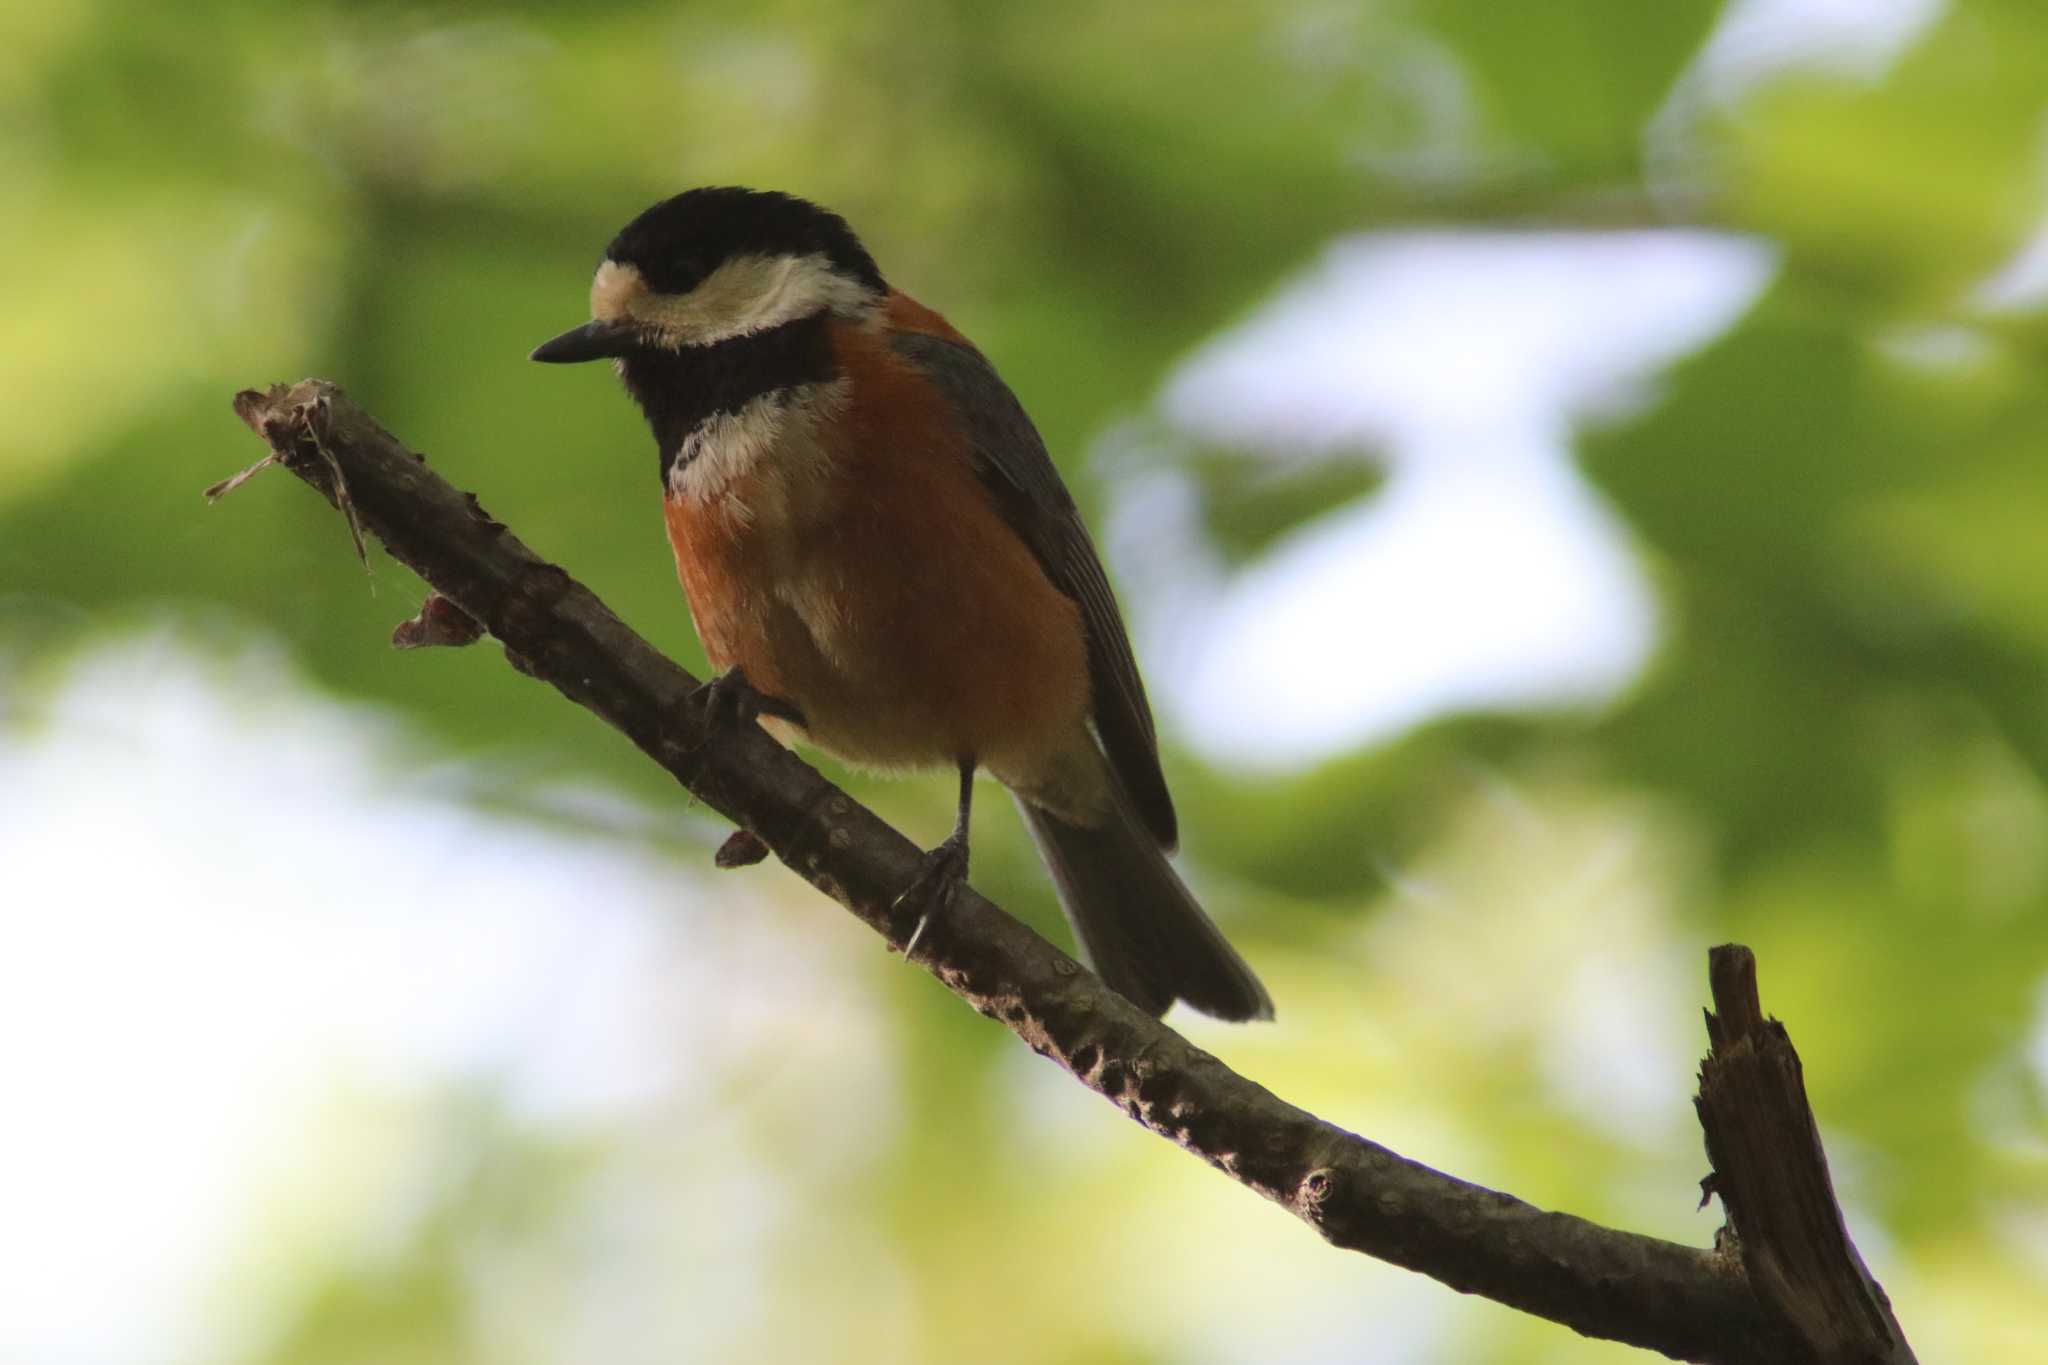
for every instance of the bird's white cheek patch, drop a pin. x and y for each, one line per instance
(750, 294)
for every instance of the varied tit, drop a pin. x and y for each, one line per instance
(881, 558)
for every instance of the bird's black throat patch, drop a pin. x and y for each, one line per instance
(681, 390)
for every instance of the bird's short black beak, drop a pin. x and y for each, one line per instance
(591, 341)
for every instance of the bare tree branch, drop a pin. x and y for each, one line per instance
(1772, 1177)
(1688, 1303)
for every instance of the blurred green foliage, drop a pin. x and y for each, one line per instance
(1841, 501)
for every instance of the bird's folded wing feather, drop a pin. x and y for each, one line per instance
(1012, 461)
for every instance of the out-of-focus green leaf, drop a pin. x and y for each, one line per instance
(1572, 83)
(1249, 504)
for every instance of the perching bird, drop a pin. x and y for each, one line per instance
(880, 556)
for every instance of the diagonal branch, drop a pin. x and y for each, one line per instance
(1687, 1303)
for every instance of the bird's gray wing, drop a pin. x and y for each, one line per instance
(1011, 460)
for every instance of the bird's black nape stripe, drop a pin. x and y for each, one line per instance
(680, 390)
(680, 241)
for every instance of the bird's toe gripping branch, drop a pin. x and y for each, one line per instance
(730, 700)
(935, 887)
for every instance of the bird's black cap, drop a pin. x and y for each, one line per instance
(679, 241)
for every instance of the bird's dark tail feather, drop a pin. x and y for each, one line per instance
(1139, 926)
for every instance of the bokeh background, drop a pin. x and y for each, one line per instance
(1579, 476)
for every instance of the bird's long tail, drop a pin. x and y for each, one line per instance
(1139, 926)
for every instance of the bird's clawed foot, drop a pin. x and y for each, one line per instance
(936, 886)
(730, 701)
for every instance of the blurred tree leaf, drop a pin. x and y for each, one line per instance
(1249, 503)
(1572, 83)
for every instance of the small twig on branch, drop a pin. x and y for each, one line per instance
(1688, 1303)
(440, 622)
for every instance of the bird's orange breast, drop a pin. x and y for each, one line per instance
(870, 581)
(716, 559)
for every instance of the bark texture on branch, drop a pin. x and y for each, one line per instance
(1688, 1303)
(1772, 1177)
